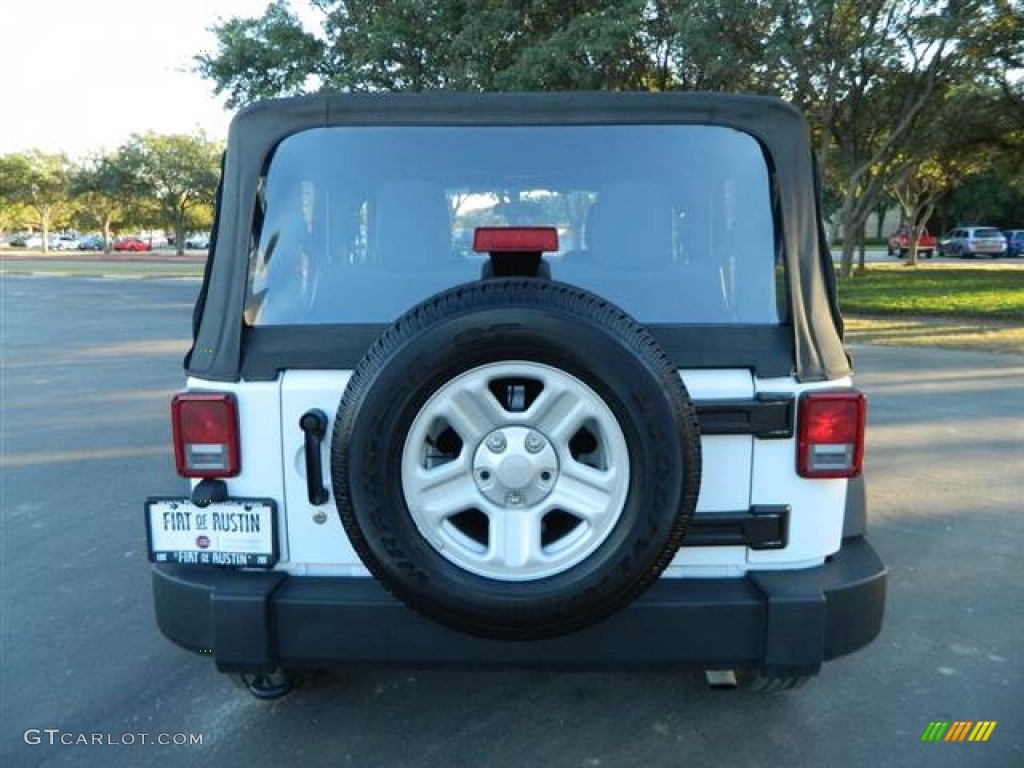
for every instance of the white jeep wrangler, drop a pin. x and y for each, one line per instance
(518, 379)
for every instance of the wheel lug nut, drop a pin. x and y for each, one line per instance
(534, 442)
(496, 443)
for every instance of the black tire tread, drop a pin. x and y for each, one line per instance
(527, 293)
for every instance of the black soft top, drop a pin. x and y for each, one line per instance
(810, 341)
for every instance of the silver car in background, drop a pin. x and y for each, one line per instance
(973, 241)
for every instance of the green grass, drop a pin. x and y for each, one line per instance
(934, 290)
(101, 268)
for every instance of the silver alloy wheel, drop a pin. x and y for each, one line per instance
(515, 471)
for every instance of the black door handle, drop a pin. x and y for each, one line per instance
(314, 424)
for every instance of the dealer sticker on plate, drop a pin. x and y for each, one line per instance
(237, 532)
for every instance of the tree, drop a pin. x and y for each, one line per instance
(993, 196)
(901, 55)
(264, 57)
(716, 46)
(178, 175)
(12, 215)
(38, 181)
(939, 159)
(105, 187)
(865, 72)
(416, 45)
(561, 46)
(882, 206)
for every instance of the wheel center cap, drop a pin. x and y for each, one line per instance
(515, 472)
(515, 466)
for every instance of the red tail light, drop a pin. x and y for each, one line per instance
(830, 434)
(205, 434)
(516, 239)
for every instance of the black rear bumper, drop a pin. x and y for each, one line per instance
(784, 622)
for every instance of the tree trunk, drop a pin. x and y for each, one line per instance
(915, 237)
(44, 225)
(846, 220)
(108, 220)
(833, 229)
(880, 211)
(925, 216)
(846, 261)
(179, 233)
(861, 266)
(854, 216)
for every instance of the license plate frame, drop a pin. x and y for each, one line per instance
(228, 542)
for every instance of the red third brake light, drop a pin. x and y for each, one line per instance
(205, 434)
(830, 436)
(515, 239)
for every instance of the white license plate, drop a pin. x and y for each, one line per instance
(237, 532)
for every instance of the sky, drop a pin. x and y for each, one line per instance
(78, 76)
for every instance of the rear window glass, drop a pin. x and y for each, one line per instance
(987, 233)
(672, 223)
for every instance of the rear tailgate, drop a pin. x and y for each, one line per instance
(741, 472)
(319, 544)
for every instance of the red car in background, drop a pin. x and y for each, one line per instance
(131, 244)
(899, 243)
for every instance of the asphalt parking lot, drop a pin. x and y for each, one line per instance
(87, 370)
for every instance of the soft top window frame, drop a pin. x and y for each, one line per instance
(814, 328)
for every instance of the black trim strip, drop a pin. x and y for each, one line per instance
(267, 350)
(767, 416)
(767, 350)
(763, 526)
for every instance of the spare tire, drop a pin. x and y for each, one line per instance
(515, 459)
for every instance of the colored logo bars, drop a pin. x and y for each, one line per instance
(958, 730)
